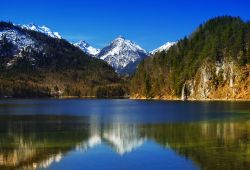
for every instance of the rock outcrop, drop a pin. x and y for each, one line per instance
(221, 80)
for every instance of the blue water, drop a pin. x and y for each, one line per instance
(150, 156)
(129, 110)
(123, 134)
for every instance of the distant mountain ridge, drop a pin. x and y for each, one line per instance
(123, 55)
(164, 47)
(85, 47)
(42, 29)
(34, 64)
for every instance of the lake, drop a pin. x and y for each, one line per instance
(124, 135)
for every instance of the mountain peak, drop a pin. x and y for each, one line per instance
(85, 47)
(83, 43)
(43, 29)
(121, 54)
(120, 37)
(164, 47)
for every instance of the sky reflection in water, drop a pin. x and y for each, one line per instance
(123, 134)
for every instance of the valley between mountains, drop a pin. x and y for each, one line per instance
(212, 63)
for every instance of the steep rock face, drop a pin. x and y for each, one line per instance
(221, 80)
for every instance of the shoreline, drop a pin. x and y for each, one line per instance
(124, 97)
(176, 99)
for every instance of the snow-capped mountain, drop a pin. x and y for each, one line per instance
(20, 40)
(85, 47)
(123, 55)
(20, 43)
(42, 29)
(164, 47)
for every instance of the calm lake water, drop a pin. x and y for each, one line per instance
(124, 135)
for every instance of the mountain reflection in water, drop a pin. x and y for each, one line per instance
(36, 142)
(122, 137)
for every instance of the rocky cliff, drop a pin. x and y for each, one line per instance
(212, 63)
(220, 80)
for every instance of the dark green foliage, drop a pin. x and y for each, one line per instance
(247, 41)
(59, 64)
(5, 51)
(147, 83)
(217, 39)
(114, 91)
(22, 89)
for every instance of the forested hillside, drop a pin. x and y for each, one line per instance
(211, 63)
(33, 64)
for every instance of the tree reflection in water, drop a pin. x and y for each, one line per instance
(32, 142)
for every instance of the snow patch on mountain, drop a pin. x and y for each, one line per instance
(21, 42)
(121, 52)
(18, 39)
(43, 29)
(85, 47)
(164, 47)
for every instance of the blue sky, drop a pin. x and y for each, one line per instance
(150, 23)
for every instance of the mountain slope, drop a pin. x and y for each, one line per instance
(123, 55)
(212, 63)
(164, 47)
(34, 64)
(42, 29)
(85, 47)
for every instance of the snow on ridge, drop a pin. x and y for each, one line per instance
(43, 29)
(164, 47)
(17, 38)
(21, 42)
(85, 47)
(121, 40)
(121, 52)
